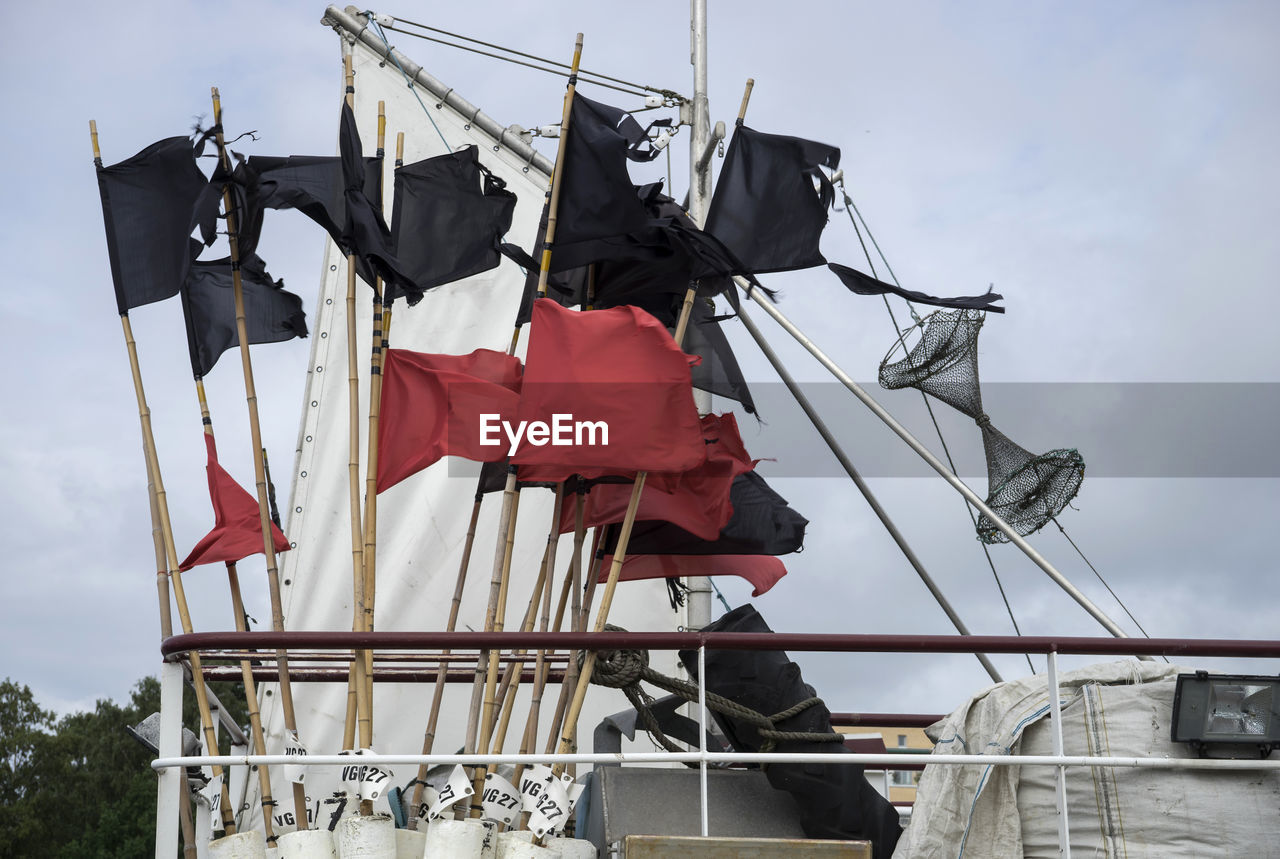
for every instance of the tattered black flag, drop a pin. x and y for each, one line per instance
(272, 315)
(864, 284)
(762, 524)
(449, 216)
(147, 208)
(597, 197)
(771, 203)
(719, 372)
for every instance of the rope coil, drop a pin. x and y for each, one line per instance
(624, 669)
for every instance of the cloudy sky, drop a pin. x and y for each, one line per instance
(1109, 167)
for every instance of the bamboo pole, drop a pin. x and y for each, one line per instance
(246, 667)
(512, 489)
(259, 470)
(578, 619)
(429, 738)
(359, 663)
(371, 468)
(541, 596)
(162, 510)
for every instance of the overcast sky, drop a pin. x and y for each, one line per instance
(1109, 167)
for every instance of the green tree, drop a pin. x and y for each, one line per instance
(81, 786)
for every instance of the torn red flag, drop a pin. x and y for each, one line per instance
(609, 389)
(762, 571)
(696, 500)
(237, 528)
(444, 405)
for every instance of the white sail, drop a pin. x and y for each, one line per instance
(422, 522)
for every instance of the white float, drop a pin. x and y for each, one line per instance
(456, 839)
(307, 844)
(372, 837)
(410, 844)
(571, 848)
(506, 839)
(242, 845)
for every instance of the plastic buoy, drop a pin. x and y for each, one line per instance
(463, 839)
(242, 845)
(571, 848)
(505, 840)
(307, 844)
(410, 844)
(372, 837)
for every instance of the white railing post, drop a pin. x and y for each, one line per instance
(169, 786)
(1055, 715)
(702, 733)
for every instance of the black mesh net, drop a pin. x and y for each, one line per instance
(1025, 491)
(944, 362)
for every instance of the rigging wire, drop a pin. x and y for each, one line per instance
(1114, 595)
(377, 28)
(664, 92)
(851, 209)
(583, 76)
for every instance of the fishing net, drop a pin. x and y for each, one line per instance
(943, 363)
(1024, 490)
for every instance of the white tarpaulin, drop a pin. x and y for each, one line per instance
(422, 522)
(1115, 709)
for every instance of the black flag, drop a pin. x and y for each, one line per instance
(864, 284)
(766, 208)
(597, 197)
(147, 208)
(272, 315)
(762, 524)
(449, 216)
(719, 372)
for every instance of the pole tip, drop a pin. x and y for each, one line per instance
(577, 42)
(213, 91)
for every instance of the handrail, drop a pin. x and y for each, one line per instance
(789, 641)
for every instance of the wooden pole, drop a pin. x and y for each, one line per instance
(166, 529)
(246, 667)
(578, 622)
(371, 469)
(259, 469)
(429, 738)
(541, 596)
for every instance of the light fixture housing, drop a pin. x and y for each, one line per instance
(1228, 714)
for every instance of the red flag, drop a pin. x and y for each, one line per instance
(696, 500)
(762, 571)
(237, 528)
(443, 405)
(609, 389)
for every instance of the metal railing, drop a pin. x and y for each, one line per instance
(404, 649)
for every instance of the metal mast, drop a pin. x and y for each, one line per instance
(698, 606)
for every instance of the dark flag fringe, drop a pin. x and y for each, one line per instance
(148, 208)
(762, 524)
(272, 314)
(863, 284)
(766, 209)
(650, 268)
(237, 529)
(449, 216)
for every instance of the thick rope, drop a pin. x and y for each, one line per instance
(624, 669)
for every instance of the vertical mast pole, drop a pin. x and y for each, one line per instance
(698, 605)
